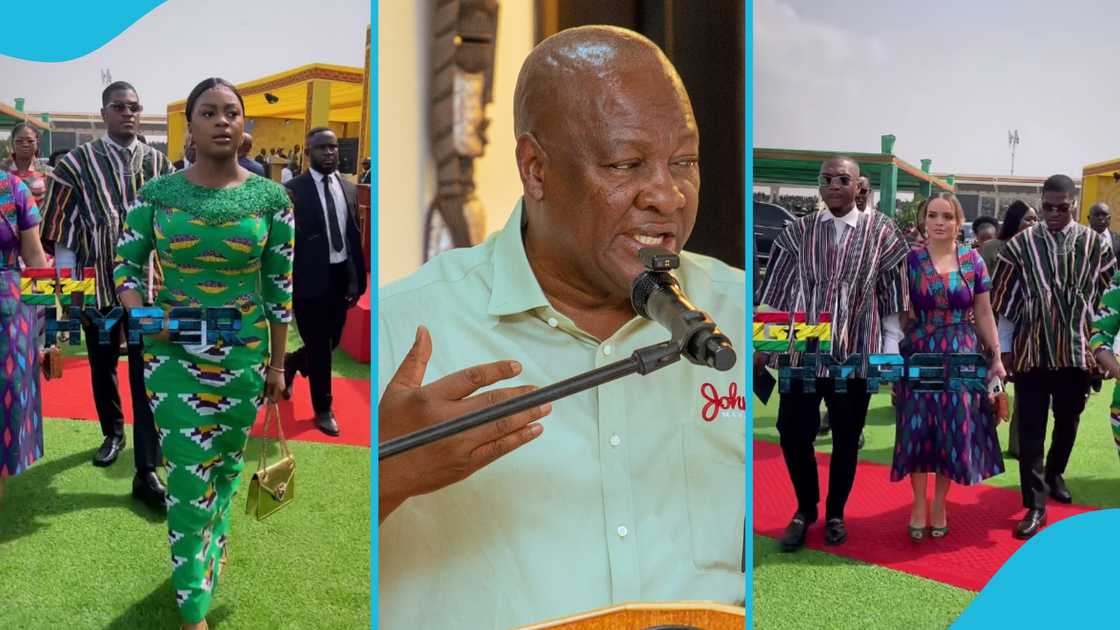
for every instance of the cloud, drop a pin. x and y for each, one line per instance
(791, 48)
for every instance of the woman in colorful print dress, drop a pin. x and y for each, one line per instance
(21, 422)
(949, 433)
(223, 237)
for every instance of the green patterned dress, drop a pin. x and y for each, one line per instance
(217, 248)
(1106, 325)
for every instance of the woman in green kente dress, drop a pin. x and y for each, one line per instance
(223, 237)
(1106, 326)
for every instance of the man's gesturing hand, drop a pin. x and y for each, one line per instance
(407, 405)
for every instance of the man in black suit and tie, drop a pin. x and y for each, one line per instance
(1100, 219)
(188, 155)
(329, 274)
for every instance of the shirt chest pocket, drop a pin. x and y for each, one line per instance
(715, 478)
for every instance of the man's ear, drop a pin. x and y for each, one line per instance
(531, 163)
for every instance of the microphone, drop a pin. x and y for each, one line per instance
(656, 295)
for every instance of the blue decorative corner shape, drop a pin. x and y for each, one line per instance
(1064, 577)
(77, 29)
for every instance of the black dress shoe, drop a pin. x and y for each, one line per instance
(325, 422)
(149, 490)
(1031, 523)
(289, 376)
(110, 449)
(835, 532)
(1058, 490)
(794, 536)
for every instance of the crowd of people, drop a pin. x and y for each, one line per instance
(208, 231)
(1036, 295)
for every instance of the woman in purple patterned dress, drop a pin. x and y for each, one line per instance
(21, 415)
(949, 433)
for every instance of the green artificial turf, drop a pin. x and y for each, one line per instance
(76, 551)
(342, 364)
(813, 589)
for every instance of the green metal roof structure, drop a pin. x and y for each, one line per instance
(12, 116)
(888, 173)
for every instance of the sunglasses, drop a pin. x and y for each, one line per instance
(1063, 208)
(826, 180)
(119, 107)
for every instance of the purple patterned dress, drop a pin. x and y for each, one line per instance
(21, 416)
(947, 432)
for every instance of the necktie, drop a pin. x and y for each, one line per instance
(332, 215)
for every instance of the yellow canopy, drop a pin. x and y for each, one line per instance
(317, 94)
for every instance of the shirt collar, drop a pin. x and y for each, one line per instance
(131, 146)
(850, 219)
(515, 288)
(319, 176)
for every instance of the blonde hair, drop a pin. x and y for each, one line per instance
(958, 210)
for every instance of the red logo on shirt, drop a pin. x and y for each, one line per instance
(714, 403)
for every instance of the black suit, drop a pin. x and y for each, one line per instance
(321, 291)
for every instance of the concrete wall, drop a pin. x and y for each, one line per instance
(407, 175)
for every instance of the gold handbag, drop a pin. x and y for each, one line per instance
(272, 487)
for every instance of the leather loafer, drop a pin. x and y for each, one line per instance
(1031, 523)
(110, 449)
(289, 376)
(835, 532)
(794, 536)
(1058, 490)
(326, 423)
(149, 490)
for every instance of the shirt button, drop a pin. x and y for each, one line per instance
(615, 440)
(622, 531)
(552, 322)
(607, 350)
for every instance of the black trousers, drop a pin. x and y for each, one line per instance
(799, 418)
(320, 324)
(107, 398)
(1066, 390)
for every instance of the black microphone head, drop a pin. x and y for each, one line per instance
(721, 355)
(645, 285)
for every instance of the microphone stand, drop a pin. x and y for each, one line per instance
(642, 361)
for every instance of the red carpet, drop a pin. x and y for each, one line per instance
(71, 397)
(981, 519)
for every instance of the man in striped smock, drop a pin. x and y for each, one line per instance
(1045, 288)
(850, 264)
(88, 196)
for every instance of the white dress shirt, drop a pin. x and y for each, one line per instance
(340, 209)
(892, 326)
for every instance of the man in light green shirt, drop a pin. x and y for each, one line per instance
(633, 491)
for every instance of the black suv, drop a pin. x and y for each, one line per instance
(768, 221)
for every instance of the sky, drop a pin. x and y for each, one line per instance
(949, 79)
(167, 52)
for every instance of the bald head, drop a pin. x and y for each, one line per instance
(864, 192)
(1100, 216)
(246, 145)
(565, 73)
(839, 184)
(608, 153)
